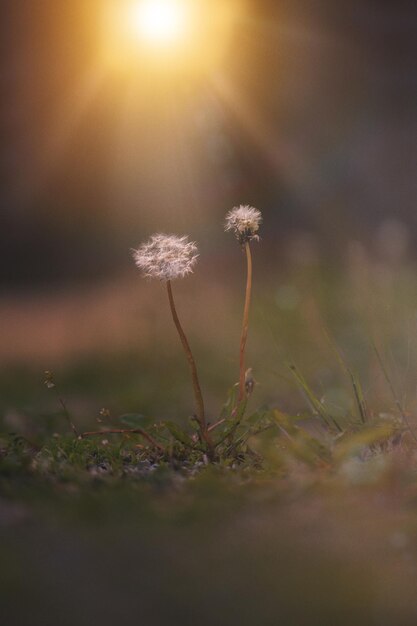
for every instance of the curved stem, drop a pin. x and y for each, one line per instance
(68, 416)
(245, 323)
(196, 385)
(123, 431)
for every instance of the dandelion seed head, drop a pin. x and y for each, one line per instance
(166, 257)
(244, 221)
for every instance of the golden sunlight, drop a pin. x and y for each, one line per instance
(180, 35)
(158, 21)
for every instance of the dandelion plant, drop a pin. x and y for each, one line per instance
(167, 258)
(244, 222)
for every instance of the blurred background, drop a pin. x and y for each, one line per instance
(118, 119)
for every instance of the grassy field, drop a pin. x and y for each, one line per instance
(299, 524)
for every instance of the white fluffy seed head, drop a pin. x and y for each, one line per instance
(244, 221)
(166, 257)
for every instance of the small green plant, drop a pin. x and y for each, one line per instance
(168, 258)
(267, 436)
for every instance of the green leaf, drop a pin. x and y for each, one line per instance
(256, 417)
(302, 445)
(229, 404)
(233, 423)
(312, 399)
(135, 420)
(351, 444)
(179, 434)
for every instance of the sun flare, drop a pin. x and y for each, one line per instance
(177, 36)
(158, 21)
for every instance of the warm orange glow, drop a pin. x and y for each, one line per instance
(160, 22)
(178, 35)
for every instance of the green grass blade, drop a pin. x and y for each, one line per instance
(391, 387)
(312, 399)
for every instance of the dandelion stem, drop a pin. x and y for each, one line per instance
(196, 385)
(245, 323)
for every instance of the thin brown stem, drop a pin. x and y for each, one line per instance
(124, 431)
(216, 424)
(196, 385)
(68, 416)
(245, 323)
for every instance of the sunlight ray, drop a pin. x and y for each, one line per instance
(281, 154)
